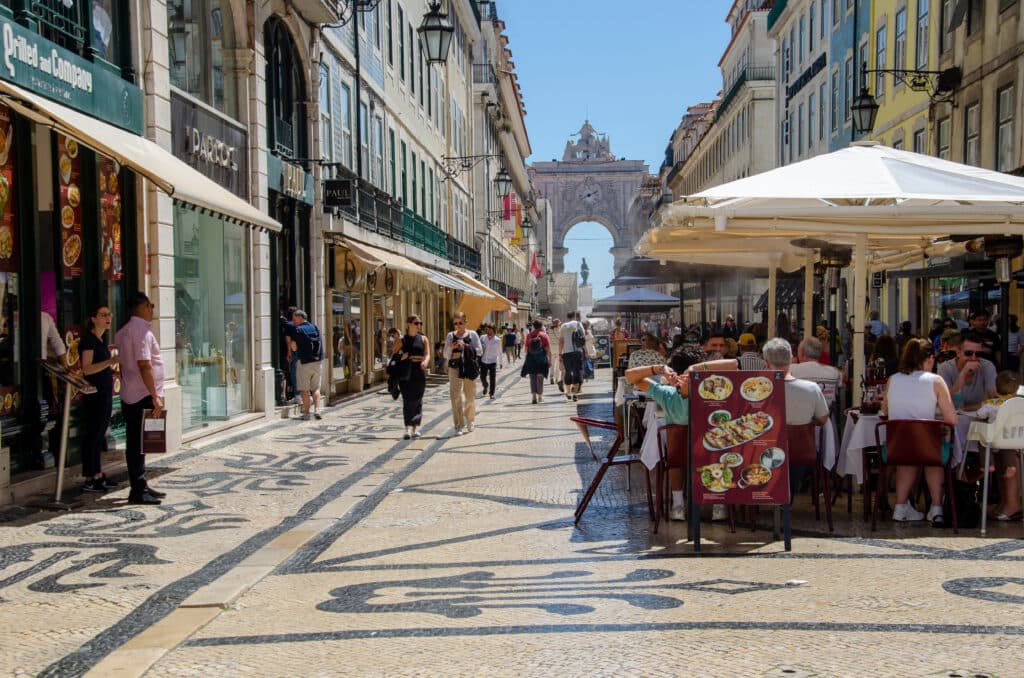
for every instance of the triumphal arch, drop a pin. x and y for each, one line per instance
(591, 184)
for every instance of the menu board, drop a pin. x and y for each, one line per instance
(110, 219)
(70, 212)
(738, 437)
(8, 230)
(10, 401)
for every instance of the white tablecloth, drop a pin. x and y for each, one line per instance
(862, 434)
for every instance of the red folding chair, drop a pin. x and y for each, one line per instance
(914, 442)
(805, 441)
(612, 458)
(674, 449)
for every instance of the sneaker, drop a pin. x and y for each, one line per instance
(408, 433)
(534, 400)
(458, 431)
(568, 396)
(561, 386)
(470, 428)
(156, 493)
(677, 513)
(95, 485)
(719, 512)
(416, 432)
(143, 498)
(540, 399)
(575, 398)
(305, 416)
(905, 513)
(936, 516)
(316, 413)
(492, 396)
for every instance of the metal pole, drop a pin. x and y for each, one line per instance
(772, 316)
(860, 283)
(63, 454)
(809, 298)
(359, 101)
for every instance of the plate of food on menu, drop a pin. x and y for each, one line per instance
(8, 402)
(739, 431)
(6, 242)
(72, 249)
(74, 195)
(731, 459)
(65, 168)
(71, 146)
(716, 477)
(756, 389)
(773, 457)
(67, 216)
(715, 387)
(719, 417)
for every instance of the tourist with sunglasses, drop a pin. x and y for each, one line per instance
(970, 376)
(413, 361)
(462, 351)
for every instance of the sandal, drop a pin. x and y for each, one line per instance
(1005, 518)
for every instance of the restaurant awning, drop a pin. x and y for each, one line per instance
(476, 308)
(153, 162)
(375, 257)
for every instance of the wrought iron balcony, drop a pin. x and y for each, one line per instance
(483, 74)
(284, 137)
(65, 25)
(462, 255)
(750, 73)
(419, 232)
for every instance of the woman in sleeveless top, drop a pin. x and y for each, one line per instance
(414, 359)
(915, 392)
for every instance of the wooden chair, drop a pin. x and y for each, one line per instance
(804, 442)
(612, 458)
(913, 442)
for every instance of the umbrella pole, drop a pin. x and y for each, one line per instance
(771, 302)
(703, 308)
(860, 282)
(809, 298)
(682, 308)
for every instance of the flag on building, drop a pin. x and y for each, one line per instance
(535, 267)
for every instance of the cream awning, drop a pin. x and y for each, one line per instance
(375, 257)
(445, 280)
(477, 308)
(156, 164)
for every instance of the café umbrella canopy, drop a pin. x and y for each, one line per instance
(867, 196)
(636, 300)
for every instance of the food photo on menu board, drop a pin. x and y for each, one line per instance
(68, 166)
(738, 438)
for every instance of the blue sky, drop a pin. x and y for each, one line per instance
(631, 66)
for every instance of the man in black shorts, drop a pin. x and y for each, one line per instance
(573, 341)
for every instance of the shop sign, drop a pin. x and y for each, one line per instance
(35, 63)
(8, 227)
(209, 143)
(293, 180)
(338, 193)
(738, 437)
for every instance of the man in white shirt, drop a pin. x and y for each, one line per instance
(52, 344)
(804, 401)
(490, 359)
(808, 367)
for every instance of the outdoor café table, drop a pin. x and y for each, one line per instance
(860, 435)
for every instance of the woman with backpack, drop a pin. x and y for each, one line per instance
(462, 351)
(538, 360)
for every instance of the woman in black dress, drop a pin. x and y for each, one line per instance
(413, 362)
(97, 366)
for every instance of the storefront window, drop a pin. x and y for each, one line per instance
(212, 333)
(346, 333)
(105, 40)
(383, 320)
(199, 42)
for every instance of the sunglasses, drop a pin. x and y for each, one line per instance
(416, 322)
(458, 322)
(971, 354)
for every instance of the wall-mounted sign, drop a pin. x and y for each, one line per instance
(338, 192)
(35, 63)
(211, 144)
(293, 180)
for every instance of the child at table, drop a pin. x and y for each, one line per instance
(1007, 461)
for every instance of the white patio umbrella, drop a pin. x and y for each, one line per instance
(868, 196)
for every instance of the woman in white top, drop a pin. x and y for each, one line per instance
(915, 392)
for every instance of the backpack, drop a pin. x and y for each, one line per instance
(536, 346)
(579, 338)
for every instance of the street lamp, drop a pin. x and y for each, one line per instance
(437, 33)
(503, 183)
(864, 108)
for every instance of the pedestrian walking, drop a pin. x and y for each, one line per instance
(413, 362)
(589, 352)
(98, 367)
(520, 340)
(462, 351)
(556, 365)
(509, 344)
(142, 388)
(309, 350)
(490, 360)
(573, 341)
(538, 360)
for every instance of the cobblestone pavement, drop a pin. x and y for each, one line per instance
(337, 548)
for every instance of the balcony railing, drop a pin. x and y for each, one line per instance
(419, 232)
(749, 73)
(64, 25)
(462, 255)
(777, 9)
(484, 73)
(284, 137)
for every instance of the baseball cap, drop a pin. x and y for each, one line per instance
(747, 339)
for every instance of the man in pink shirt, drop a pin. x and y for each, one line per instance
(142, 388)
